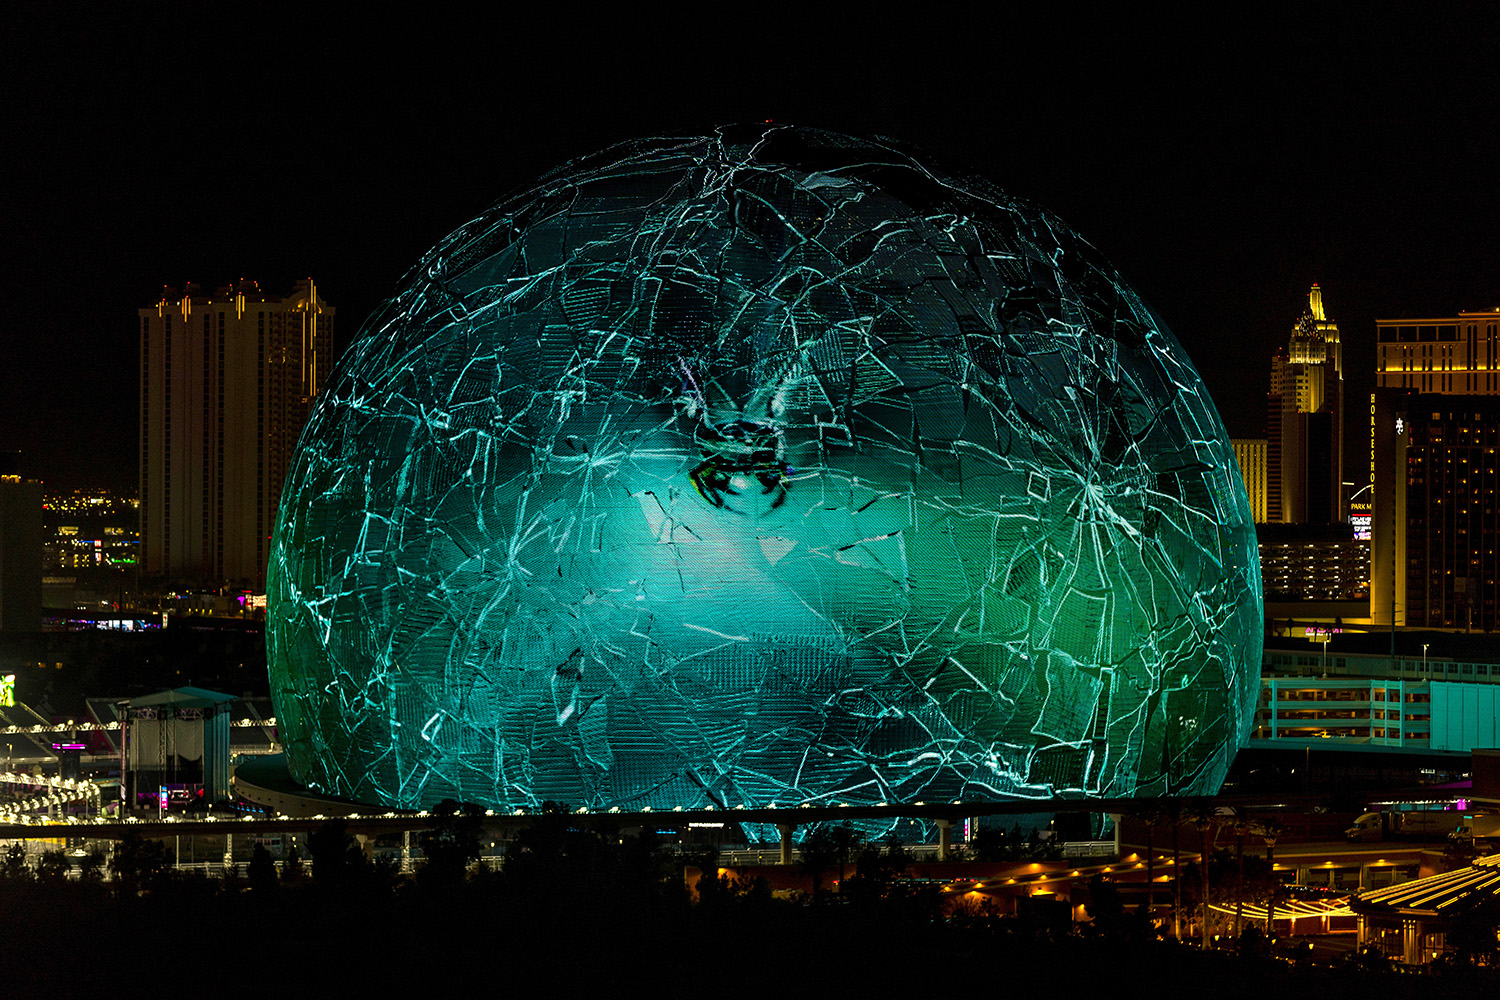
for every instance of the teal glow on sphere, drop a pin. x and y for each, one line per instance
(769, 466)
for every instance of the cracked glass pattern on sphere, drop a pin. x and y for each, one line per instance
(766, 467)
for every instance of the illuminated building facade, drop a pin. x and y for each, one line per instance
(1313, 562)
(770, 467)
(1434, 427)
(1251, 454)
(1447, 486)
(1458, 355)
(1305, 422)
(227, 380)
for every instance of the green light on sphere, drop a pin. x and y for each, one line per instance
(766, 466)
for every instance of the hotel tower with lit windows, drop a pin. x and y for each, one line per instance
(227, 381)
(1434, 430)
(1304, 421)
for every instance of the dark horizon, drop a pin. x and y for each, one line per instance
(1223, 172)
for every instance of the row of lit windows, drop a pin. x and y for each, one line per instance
(1313, 733)
(1352, 694)
(1341, 713)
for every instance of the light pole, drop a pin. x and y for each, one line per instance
(1424, 657)
(1326, 637)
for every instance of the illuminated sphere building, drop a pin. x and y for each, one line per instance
(767, 467)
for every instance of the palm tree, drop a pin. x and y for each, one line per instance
(1206, 820)
(1175, 815)
(1240, 826)
(845, 840)
(1268, 830)
(1151, 816)
(1172, 811)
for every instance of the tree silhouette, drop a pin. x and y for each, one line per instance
(452, 841)
(845, 843)
(230, 880)
(1472, 929)
(91, 867)
(292, 869)
(13, 866)
(138, 864)
(820, 852)
(554, 856)
(1251, 944)
(337, 859)
(712, 889)
(1106, 909)
(992, 844)
(1369, 959)
(262, 874)
(876, 872)
(52, 868)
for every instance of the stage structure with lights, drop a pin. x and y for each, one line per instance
(770, 467)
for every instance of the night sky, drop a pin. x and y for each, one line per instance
(1223, 167)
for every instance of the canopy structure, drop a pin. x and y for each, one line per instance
(1324, 911)
(1409, 921)
(183, 698)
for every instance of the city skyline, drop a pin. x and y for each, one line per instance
(1221, 172)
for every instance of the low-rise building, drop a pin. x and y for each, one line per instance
(1411, 702)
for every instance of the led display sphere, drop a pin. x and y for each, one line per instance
(766, 467)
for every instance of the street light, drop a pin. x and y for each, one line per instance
(1424, 657)
(1326, 637)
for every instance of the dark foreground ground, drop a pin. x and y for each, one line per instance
(548, 931)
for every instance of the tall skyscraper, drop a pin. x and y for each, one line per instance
(1434, 428)
(227, 381)
(20, 548)
(1305, 422)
